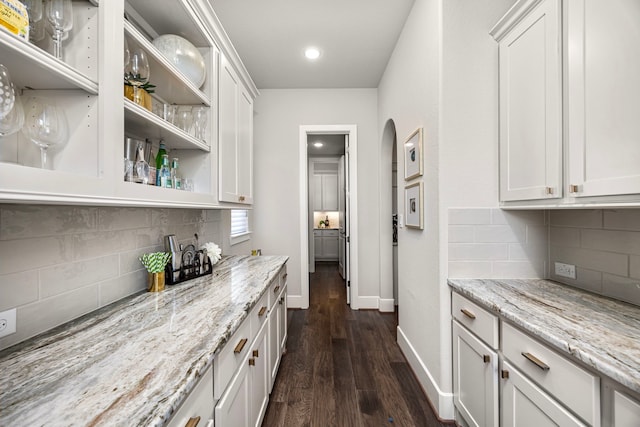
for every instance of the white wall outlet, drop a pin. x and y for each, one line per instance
(565, 270)
(8, 322)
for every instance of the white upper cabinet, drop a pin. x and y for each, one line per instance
(569, 84)
(87, 84)
(603, 97)
(530, 62)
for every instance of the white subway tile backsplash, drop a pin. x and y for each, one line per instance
(460, 233)
(589, 280)
(469, 216)
(568, 237)
(634, 266)
(27, 221)
(622, 288)
(500, 234)
(18, 289)
(470, 269)
(518, 269)
(60, 262)
(530, 218)
(587, 218)
(66, 277)
(606, 262)
(627, 242)
(477, 252)
(622, 219)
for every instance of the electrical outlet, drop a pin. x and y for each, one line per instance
(565, 270)
(8, 322)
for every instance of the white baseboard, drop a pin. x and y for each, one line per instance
(387, 305)
(295, 301)
(442, 402)
(365, 303)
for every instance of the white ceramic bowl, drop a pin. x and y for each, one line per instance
(184, 56)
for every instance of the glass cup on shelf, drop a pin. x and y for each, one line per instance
(185, 118)
(7, 92)
(169, 113)
(200, 122)
(45, 125)
(35, 10)
(59, 13)
(137, 73)
(14, 120)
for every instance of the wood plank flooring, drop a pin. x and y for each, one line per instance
(344, 367)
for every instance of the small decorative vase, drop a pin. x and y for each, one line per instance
(155, 282)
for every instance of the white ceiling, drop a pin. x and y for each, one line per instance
(355, 37)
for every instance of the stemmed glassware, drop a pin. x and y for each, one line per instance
(13, 121)
(45, 126)
(59, 13)
(7, 92)
(199, 122)
(137, 72)
(35, 10)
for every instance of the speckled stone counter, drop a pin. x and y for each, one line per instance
(600, 332)
(135, 361)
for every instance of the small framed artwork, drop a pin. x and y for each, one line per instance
(413, 205)
(413, 155)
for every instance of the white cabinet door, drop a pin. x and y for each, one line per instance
(317, 246)
(282, 320)
(233, 408)
(317, 193)
(259, 377)
(235, 117)
(524, 404)
(330, 192)
(531, 104)
(475, 378)
(603, 97)
(277, 334)
(330, 248)
(626, 411)
(199, 403)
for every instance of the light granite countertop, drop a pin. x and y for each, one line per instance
(600, 332)
(135, 361)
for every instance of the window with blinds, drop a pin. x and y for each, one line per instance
(239, 222)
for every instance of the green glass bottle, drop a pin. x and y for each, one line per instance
(161, 152)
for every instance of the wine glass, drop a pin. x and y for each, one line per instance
(13, 121)
(127, 53)
(60, 15)
(35, 10)
(137, 72)
(7, 92)
(45, 126)
(199, 122)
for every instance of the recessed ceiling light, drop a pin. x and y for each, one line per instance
(318, 144)
(312, 53)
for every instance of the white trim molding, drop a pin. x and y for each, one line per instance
(442, 401)
(387, 305)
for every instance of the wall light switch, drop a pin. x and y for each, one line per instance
(400, 221)
(7, 322)
(565, 270)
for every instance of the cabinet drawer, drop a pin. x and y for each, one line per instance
(331, 233)
(476, 319)
(571, 385)
(277, 285)
(258, 315)
(626, 411)
(199, 403)
(227, 361)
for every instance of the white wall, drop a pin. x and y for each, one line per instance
(442, 77)
(277, 119)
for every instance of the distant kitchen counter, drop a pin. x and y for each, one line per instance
(135, 361)
(600, 332)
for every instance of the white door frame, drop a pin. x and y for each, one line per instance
(352, 131)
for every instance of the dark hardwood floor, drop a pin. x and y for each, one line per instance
(343, 367)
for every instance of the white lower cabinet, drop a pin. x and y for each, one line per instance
(626, 411)
(475, 379)
(525, 404)
(277, 327)
(198, 406)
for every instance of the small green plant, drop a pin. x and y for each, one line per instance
(147, 86)
(155, 262)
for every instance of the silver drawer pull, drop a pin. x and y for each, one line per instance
(539, 363)
(467, 313)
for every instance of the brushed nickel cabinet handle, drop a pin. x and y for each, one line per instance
(539, 363)
(193, 422)
(281, 300)
(240, 345)
(276, 289)
(467, 313)
(262, 311)
(255, 353)
(252, 362)
(549, 191)
(486, 358)
(504, 374)
(573, 188)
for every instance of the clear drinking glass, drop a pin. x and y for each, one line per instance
(185, 118)
(7, 92)
(137, 72)
(12, 122)
(127, 53)
(35, 11)
(45, 125)
(200, 122)
(59, 13)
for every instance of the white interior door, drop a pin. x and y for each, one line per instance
(347, 225)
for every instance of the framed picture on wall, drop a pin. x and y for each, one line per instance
(413, 155)
(413, 205)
